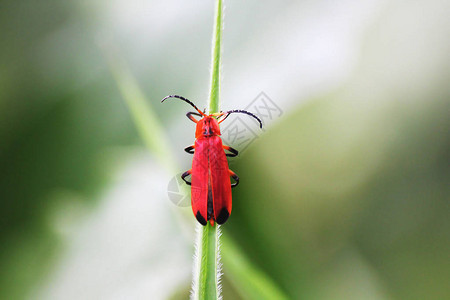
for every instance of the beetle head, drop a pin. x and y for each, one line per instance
(207, 126)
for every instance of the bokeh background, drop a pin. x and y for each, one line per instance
(345, 196)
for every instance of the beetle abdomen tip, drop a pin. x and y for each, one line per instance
(223, 216)
(200, 218)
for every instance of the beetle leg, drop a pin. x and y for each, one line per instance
(235, 177)
(189, 115)
(190, 149)
(184, 175)
(233, 151)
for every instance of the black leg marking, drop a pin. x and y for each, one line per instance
(233, 151)
(189, 115)
(223, 216)
(189, 149)
(235, 177)
(186, 174)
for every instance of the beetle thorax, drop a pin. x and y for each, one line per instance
(207, 126)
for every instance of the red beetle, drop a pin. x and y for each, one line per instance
(210, 176)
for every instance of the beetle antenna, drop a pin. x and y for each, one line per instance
(244, 112)
(185, 100)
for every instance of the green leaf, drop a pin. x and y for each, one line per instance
(144, 117)
(250, 282)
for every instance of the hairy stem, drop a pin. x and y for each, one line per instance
(207, 273)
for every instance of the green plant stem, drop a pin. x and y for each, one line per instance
(214, 94)
(206, 286)
(207, 263)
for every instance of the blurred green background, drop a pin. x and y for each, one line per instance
(345, 196)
